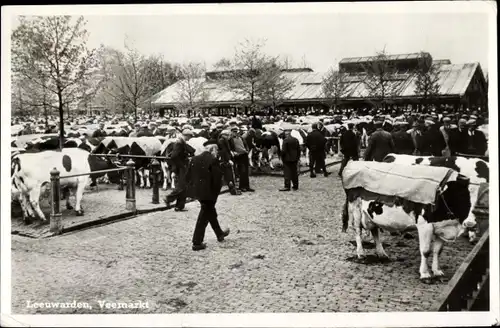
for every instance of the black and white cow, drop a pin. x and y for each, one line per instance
(31, 176)
(477, 170)
(444, 221)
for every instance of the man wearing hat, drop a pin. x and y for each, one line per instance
(316, 143)
(180, 158)
(290, 155)
(445, 131)
(205, 133)
(135, 132)
(348, 146)
(99, 133)
(434, 142)
(226, 162)
(203, 179)
(144, 131)
(215, 133)
(380, 144)
(154, 129)
(402, 140)
(477, 144)
(459, 138)
(239, 149)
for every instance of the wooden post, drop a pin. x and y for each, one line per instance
(130, 203)
(155, 170)
(120, 185)
(55, 215)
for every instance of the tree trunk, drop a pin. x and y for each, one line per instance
(61, 119)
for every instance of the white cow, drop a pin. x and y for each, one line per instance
(197, 144)
(31, 174)
(477, 170)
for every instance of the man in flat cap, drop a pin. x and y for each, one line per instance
(403, 143)
(316, 143)
(180, 158)
(204, 182)
(205, 132)
(477, 144)
(380, 144)
(144, 131)
(445, 130)
(434, 143)
(349, 146)
(290, 155)
(99, 133)
(239, 150)
(459, 138)
(227, 165)
(136, 131)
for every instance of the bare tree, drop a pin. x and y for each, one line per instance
(334, 86)
(252, 75)
(380, 79)
(191, 93)
(276, 86)
(427, 82)
(51, 52)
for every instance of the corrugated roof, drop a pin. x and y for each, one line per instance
(453, 80)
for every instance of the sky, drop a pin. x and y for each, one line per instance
(321, 39)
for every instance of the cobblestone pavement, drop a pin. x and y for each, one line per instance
(285, 253)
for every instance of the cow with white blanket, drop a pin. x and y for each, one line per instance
(433, 200)
(477, 170)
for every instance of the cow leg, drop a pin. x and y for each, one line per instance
(425, 235)
(436, 251)
(79, 196)
(147, 182)
(34, 195)
(67, 194)
(141, 177)
(174, 177)
(166, 175)
(354, 210)
(379, 248)
(28, 211)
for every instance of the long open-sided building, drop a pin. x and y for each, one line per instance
(460, 85)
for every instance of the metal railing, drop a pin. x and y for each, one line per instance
(56, 225)
(468, 289)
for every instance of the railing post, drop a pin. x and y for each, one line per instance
(155, 170)
(55, 191)
(120, 176)
(130, 204)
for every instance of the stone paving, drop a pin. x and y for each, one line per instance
(285, 253)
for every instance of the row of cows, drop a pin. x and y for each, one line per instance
(439, 215)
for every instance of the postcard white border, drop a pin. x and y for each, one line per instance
(382, 319)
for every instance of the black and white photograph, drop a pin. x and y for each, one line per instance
(227, 165)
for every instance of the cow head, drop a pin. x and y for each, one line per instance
(454, 203)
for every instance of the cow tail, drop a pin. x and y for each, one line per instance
(345, 215)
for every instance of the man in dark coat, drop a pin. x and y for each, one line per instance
(226, 162)
(316, 142)
(204, 180)
(379, 145)
(459, 138)
(477, 144)
(403, 143)
(205, 133)
(239, 150)
(256, 123)
(434, 142)
(99, 132)
(290, 155)
(145, 131)
(180, 158)
(348, 146)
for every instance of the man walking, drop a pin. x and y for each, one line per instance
(204, 180)
(316, 142)
(379, 145)
(290, 154)
(180, 158)
(239, 150)
(348, 146)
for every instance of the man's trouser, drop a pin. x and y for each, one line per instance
(228, 174)
(241, 163)
(208, 214)
(317, 161)
(290, 170)
(179, 193)
(345, 160)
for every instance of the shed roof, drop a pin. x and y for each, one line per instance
(454, 80)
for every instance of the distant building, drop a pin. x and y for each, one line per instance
(460, 85)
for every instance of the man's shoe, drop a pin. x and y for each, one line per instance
(313, 175)
(295, 189)
(327, 174)
(180, 209)
(225, 233)
(284, 189)
(167, 203)
(199, 247)
(235, 192)
(250, 190)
